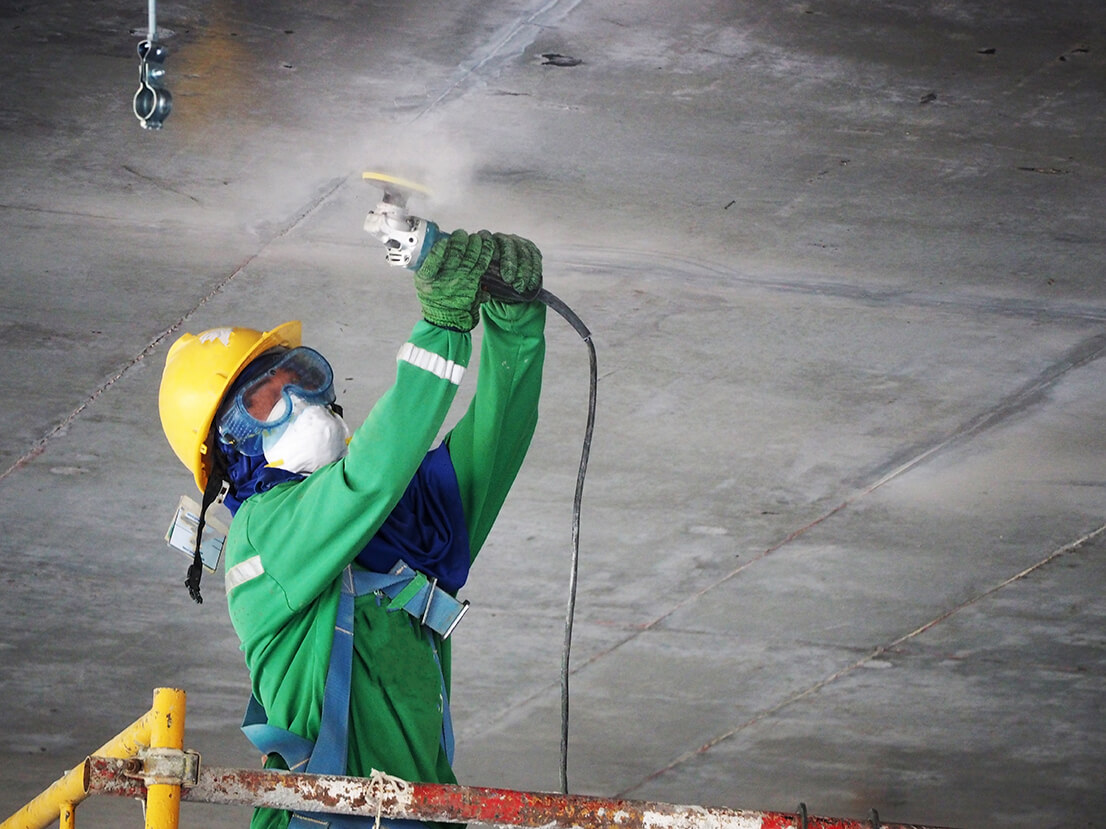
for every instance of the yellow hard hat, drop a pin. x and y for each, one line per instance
(199, 370)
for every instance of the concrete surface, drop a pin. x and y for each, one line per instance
(843, 530)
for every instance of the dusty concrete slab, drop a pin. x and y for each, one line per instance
(843, 265)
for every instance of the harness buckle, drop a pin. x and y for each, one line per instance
(457, 620)
(429, 600)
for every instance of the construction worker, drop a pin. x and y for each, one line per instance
(373, 537)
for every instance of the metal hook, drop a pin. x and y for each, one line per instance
(152, 101)
(802, 817)
(873, 819)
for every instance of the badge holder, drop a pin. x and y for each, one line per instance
(181, 535)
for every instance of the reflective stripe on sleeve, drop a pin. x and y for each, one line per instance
(429, 361)
(249, 569)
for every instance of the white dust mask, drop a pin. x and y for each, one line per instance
(314, 437)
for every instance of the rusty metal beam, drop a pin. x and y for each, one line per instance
(393, 798)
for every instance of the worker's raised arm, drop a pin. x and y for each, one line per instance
(489, 443)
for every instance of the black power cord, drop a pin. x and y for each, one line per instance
(557, 305)
(499, 289)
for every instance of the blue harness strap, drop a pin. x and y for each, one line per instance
(412, 591)
(408, 590)
(269, 739)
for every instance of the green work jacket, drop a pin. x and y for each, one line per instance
(288, 546)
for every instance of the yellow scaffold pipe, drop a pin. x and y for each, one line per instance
(166, 732)
(59, 802)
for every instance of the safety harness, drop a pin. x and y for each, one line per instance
(407, 589)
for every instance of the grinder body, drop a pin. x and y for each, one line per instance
(407, 238)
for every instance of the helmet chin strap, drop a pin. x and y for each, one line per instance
(215, 483)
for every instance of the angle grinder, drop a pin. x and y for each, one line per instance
(408, 238)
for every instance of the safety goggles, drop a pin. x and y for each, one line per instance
(262, 401)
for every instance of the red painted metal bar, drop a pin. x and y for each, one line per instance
(390, 797)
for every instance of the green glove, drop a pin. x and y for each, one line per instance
(519, 262)
(448, 281)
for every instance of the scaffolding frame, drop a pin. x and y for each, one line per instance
(147, 761)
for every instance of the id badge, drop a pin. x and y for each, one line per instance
(181, 535)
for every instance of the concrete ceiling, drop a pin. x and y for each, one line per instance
(843, 530)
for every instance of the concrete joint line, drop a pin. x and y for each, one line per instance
(1081, 354)
(508, 42)
(40, 445)
(859, 663)
(618, 260)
